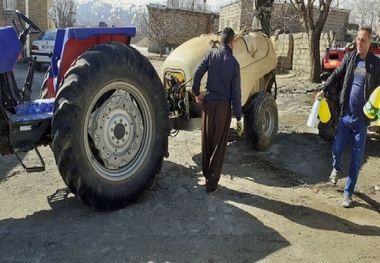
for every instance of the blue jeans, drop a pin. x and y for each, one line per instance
(353, 130)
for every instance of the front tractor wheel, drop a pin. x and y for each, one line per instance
(110, 126)
(261, 121)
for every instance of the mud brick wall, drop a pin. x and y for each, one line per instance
(179, 25)
(301, 57)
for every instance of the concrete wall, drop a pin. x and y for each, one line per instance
(178, 25)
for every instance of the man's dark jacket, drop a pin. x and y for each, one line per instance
(223, 81)
(346, 71)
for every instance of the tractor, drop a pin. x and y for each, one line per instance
(107, 115)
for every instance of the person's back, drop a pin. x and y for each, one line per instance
(222, 67)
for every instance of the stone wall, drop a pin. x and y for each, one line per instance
(236, 15)
(284, 45)
(337, 21)
(230, 16)
(292, 51)
(284, 18)
(175, 26)
(301, 58)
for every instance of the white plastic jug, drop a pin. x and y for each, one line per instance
(313, 117)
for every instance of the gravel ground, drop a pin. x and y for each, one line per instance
(273, 206)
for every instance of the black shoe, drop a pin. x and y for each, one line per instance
(211, 189)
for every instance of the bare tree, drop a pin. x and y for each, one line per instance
(263, 12)
(116, 18)
(284, 18)
(63, 12)
(313, 27)
(366, 13)
(154, 26)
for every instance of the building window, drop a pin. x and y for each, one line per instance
(9, 4)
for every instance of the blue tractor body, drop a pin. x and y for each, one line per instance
(9, 49)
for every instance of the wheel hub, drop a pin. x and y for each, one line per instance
(117, 130)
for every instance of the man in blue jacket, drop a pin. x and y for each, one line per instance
(360, 71)
(222, 90)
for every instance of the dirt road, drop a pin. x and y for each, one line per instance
(273, 206)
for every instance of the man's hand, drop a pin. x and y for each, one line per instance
(319, 94)
(239, 128)
(199, 100)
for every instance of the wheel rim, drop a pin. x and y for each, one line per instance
(117, 131)
(268, 122)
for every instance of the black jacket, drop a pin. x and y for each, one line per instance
(346, 71)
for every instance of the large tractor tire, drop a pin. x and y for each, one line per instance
(261, 121)
(110, 126)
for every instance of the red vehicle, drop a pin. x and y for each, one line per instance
(334, 56)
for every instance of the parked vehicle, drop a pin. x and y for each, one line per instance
(334, 56)
(42, 48)
(109, 130)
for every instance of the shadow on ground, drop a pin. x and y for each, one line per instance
(176, 221)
